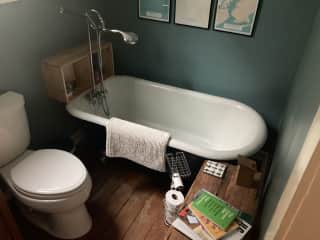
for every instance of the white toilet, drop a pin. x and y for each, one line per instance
(51, 185)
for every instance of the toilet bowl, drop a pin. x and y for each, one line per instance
(51, 186)
(49, 199)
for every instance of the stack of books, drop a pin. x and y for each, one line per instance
(207, 217)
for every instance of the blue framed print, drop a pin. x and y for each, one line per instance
(236, 16)
(158, 10)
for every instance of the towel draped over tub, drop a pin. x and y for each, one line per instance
(141, 144)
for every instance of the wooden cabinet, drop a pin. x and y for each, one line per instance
(69, 73)
(8, 226)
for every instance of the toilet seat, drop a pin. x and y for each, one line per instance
(49, 174)
(53, 196)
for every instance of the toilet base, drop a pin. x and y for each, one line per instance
(67, 225)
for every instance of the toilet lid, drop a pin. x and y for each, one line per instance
(49, 172)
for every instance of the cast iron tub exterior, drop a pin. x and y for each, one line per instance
(207, 126)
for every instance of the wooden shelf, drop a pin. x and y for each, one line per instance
(68, 73)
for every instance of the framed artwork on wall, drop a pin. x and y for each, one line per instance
(236, 16)
(158, 10)
(7, 1)
(195, 13)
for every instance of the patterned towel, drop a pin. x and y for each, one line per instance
(143, 145)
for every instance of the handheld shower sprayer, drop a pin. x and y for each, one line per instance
(99, 17)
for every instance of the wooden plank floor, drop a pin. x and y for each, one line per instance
(126, 203)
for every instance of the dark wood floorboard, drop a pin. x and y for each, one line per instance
(126, 202)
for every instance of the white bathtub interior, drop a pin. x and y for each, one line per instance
(201, 124)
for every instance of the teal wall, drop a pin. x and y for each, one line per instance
(31, 30)
(301, 109)
(257, 71)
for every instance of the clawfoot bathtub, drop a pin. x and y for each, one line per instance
(204, 125)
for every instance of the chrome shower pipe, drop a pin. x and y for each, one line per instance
(90, 24)
(128, 37)
(96, 23)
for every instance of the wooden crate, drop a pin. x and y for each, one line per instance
(71, 69)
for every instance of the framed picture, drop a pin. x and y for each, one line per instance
(195, 13)
(158, 10)
(236, 16)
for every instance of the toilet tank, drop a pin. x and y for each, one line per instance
(14, 128)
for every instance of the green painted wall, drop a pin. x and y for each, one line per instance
(31, 30)
(301, 109)
(257, 71)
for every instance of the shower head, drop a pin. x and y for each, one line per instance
(130, 38)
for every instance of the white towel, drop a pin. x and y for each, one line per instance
(143, 145)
